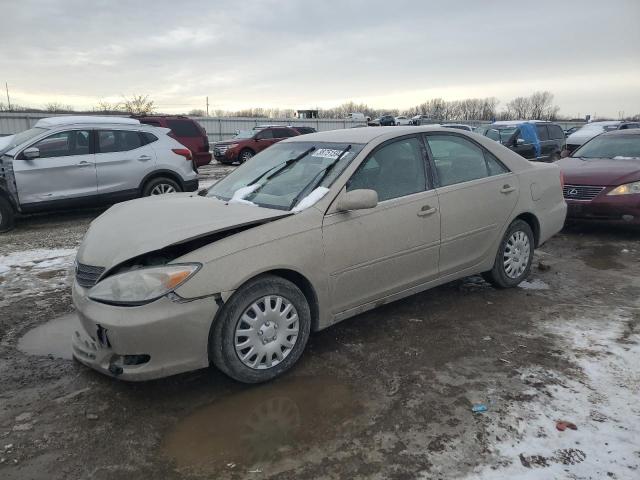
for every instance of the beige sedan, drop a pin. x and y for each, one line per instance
(315, 229)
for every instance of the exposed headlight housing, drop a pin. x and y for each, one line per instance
(137, 287)
(626, 189)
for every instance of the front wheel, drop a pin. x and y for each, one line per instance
(245, 155)
(261, 331)
(515, 255)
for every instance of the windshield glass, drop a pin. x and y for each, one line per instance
(619, 147)
(20, 138)
(292, 182)
(245, 134)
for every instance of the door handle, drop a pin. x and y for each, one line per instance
(85, 164)
(427, 210)
(144, 158)
(507, 189)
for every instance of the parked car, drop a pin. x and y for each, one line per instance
(383, 121)
(249, 142)
(422, 120)
(302, 130)
(534, 140)
(590, 130)
(603, 178)
(570, 130)
(316, 229)
(360, 117)
(73, 162)
(187, 131)
(458, 126)
(402, 120)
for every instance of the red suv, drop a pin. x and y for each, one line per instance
(185, 130)
(246, 144)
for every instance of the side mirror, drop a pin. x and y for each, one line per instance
(31, 152)
(565, 153)
(519, 141)
(357, 200)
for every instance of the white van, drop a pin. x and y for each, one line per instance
(358, 117)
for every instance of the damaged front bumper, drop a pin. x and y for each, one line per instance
(162, 338)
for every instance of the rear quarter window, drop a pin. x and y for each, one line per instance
(556, 132)
(542, 132)
(184, 128)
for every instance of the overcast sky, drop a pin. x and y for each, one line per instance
(300, 54)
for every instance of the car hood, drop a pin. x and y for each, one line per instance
(4, 142)
(133, 228)
(599, 171)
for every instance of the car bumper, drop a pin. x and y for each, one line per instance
(618, 209)
(146, 342)
(202, 158)
(190, 185)
(228, 156)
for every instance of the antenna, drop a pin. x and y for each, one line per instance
(6, 86)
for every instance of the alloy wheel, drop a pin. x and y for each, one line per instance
(162, 188)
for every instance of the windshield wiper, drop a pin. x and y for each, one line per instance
(280, 167)
(325, 171)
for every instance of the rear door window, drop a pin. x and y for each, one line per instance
(119, 141)
(543, 134)
(184, 128)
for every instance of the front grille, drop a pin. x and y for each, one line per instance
(581, 192)
(88, 275)
(220, 150)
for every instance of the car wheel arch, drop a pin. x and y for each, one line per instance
(160, 174)
(533, 222)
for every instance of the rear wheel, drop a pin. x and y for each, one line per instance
(261, 331)
(160, 186)
(513, 260)
(245, 155)
(6, 215)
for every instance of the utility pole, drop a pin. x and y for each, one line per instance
(6, 86)
(207, 106)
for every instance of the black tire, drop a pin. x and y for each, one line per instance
(222, 351)
(245, 155)
(498, 276)
(158, 184)
(7, 215)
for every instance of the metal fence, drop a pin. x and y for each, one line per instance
(222, 128)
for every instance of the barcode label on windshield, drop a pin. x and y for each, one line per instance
(328, 153)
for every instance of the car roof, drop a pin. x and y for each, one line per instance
(630, 131)
(359, 135)
(84, 120)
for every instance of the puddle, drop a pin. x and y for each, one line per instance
(268, 426)
(603, 257)
(52, 338)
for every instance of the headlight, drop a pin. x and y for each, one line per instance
(145, 285)
(626, 189)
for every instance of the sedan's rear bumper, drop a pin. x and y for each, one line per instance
(150, 341)
(609, 208)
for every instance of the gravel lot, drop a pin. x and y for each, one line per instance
(388, 394)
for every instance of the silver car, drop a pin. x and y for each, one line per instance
(315, 229)
(67, 162)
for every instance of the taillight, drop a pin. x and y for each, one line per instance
(561, 179)
(185, 152)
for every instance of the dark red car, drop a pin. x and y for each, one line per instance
(185, 130)
(602, 178)
(246, 144)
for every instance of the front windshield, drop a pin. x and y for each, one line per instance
(293, 182)
(618, 147)
(245, 134)
(20, 138)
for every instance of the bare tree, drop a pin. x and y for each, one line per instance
(104, 106)
(55, 107)
(197, 112)
(138, 105)
(542, 107)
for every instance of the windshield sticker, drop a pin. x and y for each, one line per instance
(328, 153)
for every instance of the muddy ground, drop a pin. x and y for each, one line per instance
(387, 394)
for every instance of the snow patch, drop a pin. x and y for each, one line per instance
(534, 284)
(34, 272)
(311, 199)
(240, 194)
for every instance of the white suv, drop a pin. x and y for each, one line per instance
(67, 162)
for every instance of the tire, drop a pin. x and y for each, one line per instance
(518, 236)
(245, 155)
(160, 186)
(7, 215)
(224, 353)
